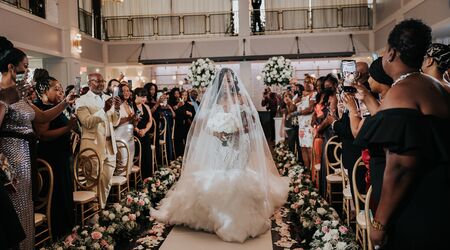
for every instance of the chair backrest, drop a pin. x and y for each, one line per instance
(74, 142)
(173, 129)
(137, 152)
(122, 158)
(155, 129)
(163, 131)
(358, 196)
(345, 180)
(369, 216)
(45, 188)
(87, 170)
(333, 147)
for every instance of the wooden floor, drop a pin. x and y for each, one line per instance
(183, 238)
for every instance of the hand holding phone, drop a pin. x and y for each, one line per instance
(349, 89)
(115, 92)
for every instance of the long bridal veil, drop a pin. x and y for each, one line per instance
(229, 183)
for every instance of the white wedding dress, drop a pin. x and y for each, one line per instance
(230, 188)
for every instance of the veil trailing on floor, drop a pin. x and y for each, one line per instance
(229, 183)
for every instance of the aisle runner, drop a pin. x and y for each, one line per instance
(183, 238)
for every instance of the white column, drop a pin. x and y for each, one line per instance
(244, 18)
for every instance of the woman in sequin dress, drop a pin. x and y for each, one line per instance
(16, 135)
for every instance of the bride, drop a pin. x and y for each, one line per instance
(229, 183)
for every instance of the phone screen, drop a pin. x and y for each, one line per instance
(115, 91)
(158, 95)
(348, 69)
(77, 87)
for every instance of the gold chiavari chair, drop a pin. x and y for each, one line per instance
(369, 217)
(153, 137)
(333, 170)
(74, 142)
(120, 180)
(173, 140)
(361, 226)
(346, 194)
(136, 173)
(87, 172)
(43, 203)
(163, 143)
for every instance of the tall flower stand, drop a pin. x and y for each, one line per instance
(278, 137)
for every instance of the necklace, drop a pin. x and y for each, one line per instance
(403, 77)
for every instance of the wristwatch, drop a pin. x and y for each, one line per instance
(377, 226)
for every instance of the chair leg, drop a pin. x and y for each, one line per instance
(82, 214)
(364, 236)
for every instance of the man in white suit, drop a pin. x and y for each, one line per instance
(97, 117)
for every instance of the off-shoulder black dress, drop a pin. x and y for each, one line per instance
(422, 220)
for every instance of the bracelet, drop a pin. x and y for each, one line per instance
(377, 226)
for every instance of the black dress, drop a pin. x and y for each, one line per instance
(58, 154)
(182, 125)
(422, 219)
(146, 153)
(350, 152)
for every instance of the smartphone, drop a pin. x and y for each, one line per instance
(158, 95)
(349, 89)
(115, 92)
(130, 84)
(77, 87)
(348, 69)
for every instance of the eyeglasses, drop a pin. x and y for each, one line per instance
(98, 81)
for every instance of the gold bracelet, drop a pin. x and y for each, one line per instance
(377, 226)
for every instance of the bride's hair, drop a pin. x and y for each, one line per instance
(223, 72)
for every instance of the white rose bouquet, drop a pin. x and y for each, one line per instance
(201, 72)
(278, 71)
(223, 125)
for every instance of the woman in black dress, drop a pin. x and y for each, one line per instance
(54, 147)
(183, 120)
(142, 130)
(412, 128)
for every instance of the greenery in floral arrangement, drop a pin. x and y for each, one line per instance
(278, 71)
(87, 238)
(313, 220)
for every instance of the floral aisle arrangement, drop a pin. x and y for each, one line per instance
(162, 181)
(315, 225)
(201, 72)
(278, 71)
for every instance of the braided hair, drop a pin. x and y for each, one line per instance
(440, 53)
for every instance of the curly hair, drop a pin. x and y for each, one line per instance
(9, 54)
(411, 38)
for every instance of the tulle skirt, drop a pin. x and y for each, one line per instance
(232, 203)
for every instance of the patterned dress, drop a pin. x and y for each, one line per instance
(305, 130)
(17, 151)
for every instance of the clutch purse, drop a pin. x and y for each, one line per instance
(6, 174)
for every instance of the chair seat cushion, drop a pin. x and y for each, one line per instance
(317, 167)
(361, 219)
(39, 219)
(135, 169)
(347, 193)
(334, 178)
(118, 180)
(84, 196)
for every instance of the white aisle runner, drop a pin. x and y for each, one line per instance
(183, 238)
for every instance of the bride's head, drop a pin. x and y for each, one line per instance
(226, 86)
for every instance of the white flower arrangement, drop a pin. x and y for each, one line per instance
(223, 125)
(201, 72)
(278, 71)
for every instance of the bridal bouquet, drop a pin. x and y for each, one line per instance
(277, 71)
(223, 125)
(201, 72)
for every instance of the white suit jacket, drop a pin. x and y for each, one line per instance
(95, 123)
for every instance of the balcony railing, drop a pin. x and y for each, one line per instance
(36, 8)
(85, 21)
(138, 27)
(316, 18)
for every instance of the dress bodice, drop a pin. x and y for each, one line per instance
(19, 118)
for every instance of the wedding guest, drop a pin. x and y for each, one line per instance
(270, 102)
(152, 95)
(290, 132)
(343, 129)
(124, 130)
(176, 103)
(304, 112)
(97, 116)
(317, 118)
(412, 127)
(437, 62)
(166, 111)
(54, 147)
(193, 99)
(113, 83)
(17, 139)
(187, 113)
(142, 130)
